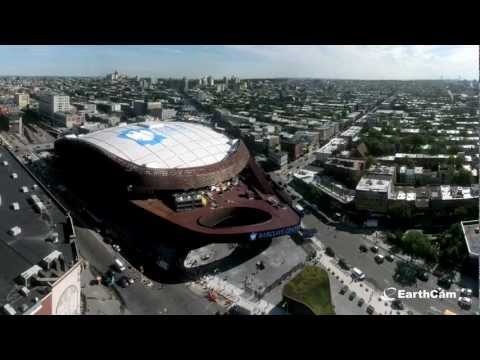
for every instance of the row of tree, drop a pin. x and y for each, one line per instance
(447, 249)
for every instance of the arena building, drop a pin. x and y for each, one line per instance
(188, 175)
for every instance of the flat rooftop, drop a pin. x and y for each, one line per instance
(472, 238)
(21, 252)
(371, 184)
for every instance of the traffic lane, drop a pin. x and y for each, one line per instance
(93, 250)
(170, 300)
(138, 298)
(345, 245)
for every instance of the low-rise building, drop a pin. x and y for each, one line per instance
(328, 150)
(348, 171)
(69, 120)
(372, 194)
(278, 158)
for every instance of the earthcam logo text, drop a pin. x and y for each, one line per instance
(392, 293)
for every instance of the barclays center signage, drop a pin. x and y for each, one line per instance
(274, 233)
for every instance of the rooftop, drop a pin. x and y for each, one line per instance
(371, 184)
(27, 249)
(164, 145)
(472, 237)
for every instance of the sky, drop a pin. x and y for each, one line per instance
(402, 62)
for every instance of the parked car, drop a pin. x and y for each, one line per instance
(422, 275)
(437, 273)
(445, 282)
(370, 310)
(363, 248)
(352, 295)
(343, 264)
(374, 249)
(118, 265)
(466, 292)
(109, 278)
(390, 257)
(358, 274)
(344, 289)
(361, 301)
(465, 302)
(124, 282)
(379, 258)
(397, 304)
(329, 251)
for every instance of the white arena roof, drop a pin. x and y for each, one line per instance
(164, 145)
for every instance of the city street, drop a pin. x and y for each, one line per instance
(140, 298)
(346, 245)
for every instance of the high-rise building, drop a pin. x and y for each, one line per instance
(210, 81)
(50, 104)
(185, 84)
(22, 100)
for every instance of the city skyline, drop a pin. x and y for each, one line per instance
(391, 62)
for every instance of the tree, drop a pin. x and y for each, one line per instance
(370, 161)
(405, 273)
(416, 244)
(453, 149)
(463, 178)
(459, 161)
(452, 249)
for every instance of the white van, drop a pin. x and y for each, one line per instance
(119, 265)
(358, 274)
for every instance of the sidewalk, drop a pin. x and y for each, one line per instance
(234, 294)
(363, 290)
(98, 299)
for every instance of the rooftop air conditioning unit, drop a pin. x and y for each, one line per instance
(15, 231)
(48, 260)
(27, 275)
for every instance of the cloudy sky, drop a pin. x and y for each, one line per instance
(320, 61)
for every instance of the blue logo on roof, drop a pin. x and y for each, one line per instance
(142, 136)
